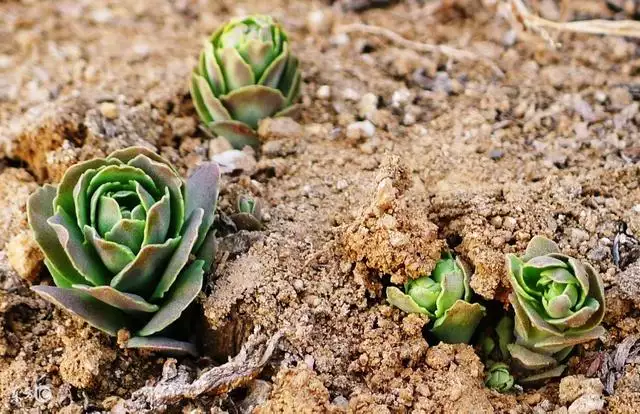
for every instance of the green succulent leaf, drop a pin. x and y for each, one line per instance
(39, 209)
(202, 192)
(444, 295)
(164, 345)
(97, 313)
(459, 322)
(183, 293)
(126, 302)
(404, 302)
(237, 133)
(180, 256)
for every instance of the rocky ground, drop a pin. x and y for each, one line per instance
(397, 153)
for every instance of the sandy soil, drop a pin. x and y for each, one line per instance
(396, 154)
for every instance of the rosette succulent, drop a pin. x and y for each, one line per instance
(117, 235)
(444, 296)
(246, 73)
(249, 215)
(499, 378)
(558, 303)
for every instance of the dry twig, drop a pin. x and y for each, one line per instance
(630, 28)
(176, 386)
(449, 51)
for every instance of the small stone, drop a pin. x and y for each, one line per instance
(298, 285)
(442, 83)
(398, 239)
(574, 386)
(351, 95)
(401, 97)
(509, 38)
(341, 185)
(340, 39)
(362, 129)
(368, 105)
(234, 160)
(183, 126)
(319, 21)
(109, 110)
(218, 145)
(496, 221)
(409, 119)
(578, 236)
(586, 404)
(25, 256)
(600, 96)
(496, 154)
(324, 92)
(341, 402)
(279, 128)
(509, 223)
(620, 97)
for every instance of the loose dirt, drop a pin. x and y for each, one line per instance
(395, 155)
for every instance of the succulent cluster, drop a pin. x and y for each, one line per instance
(558, 303)
(445, 297)
(117, 234)
(557, 300)
(246, 73)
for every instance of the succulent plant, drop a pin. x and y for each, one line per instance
(494, 341)
(499, 378)
(249, 215)
(246, 72)
(444, 296)
(117, 234)
(558, 303)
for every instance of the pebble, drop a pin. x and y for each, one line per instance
(319, 21)
(409, 119)
(578, 236)
(279, 128)
(340, 39)
(368, 105)
(183, 126)
(586, 404)
(298, 285)
(25, 256)
(362, 129)
(234, 160)
(218, 145)
(574, 386)
(351, 95)
(323, 92)
(442, 83)
(496, 154)
(620, 97)
(109, 110)
(341, 402)
(509, 223)
(341, 185)
(401, 97)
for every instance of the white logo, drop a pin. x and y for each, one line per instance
(42, 393)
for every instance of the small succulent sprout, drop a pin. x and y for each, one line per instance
(445, 297)
(249, 215)
(494, 341)
(558, 303)
(246, 73)
(117, 235)
(499, 378)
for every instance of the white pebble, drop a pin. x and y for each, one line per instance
(324, 92)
